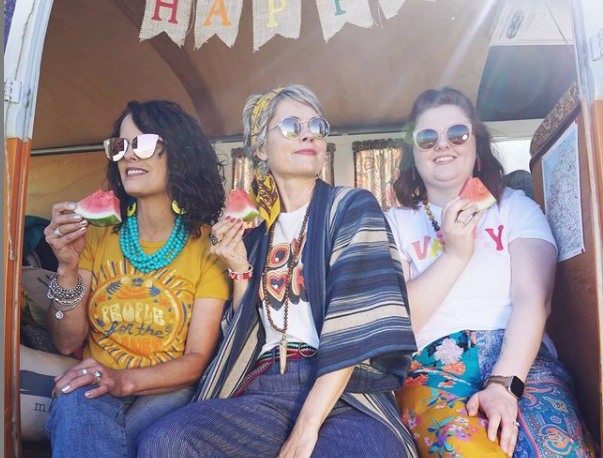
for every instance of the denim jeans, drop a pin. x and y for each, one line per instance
(106, 426)
(257, 423)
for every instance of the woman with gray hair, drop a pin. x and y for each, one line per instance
(310, 356)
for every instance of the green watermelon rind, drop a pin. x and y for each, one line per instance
(100, 220)
(245, 216)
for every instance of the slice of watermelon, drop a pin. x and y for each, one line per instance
(100, 209)
(477, 193)
(240, 205)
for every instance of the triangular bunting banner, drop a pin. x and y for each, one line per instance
(272, 17)
(217, 17)
(169, 16)
(391, 7)
(334, 14)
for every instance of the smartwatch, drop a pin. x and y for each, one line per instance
(513, 384)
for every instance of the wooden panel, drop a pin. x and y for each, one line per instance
(574, 323)
(16, 156)
(59, 178)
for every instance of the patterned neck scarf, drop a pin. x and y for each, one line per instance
(265, 191)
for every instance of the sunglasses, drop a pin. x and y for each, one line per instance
(291, 127)
(457, 135)
(143, 146)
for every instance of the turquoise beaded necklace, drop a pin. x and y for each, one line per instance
(130, 246)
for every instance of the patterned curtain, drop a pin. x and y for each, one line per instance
(243, 170)
(377, 165)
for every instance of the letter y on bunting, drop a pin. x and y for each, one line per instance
(169, 16)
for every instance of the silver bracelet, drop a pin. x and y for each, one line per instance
(65, 299)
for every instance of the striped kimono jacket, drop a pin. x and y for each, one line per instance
(358, 299)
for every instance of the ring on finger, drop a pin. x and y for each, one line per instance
(84, 371)
(57, 232)
(213, 239)
(460, 222)
(516, 423)
(97, 377)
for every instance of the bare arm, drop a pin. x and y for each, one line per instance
(533, 264)
(66, 236)
(320, 401)
(201, 343)
(231, 250)
(69, 333)
(427, 291)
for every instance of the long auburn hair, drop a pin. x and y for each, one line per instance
(195, 175)
(409, 187)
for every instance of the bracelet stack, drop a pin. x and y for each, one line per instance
(241, 275)
(65, 299)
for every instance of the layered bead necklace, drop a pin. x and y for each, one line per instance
(130, 246)
(293, 262)
(433, 221)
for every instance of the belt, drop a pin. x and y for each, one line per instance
(295, 350)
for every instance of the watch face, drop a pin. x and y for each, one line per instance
(516, 386)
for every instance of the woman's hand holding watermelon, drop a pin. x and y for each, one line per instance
(459, 222)
(66, 234)
(227, 243)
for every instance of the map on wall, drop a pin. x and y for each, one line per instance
(561, 176)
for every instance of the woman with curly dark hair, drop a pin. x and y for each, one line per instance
(147, 295)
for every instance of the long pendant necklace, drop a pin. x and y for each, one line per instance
(292, 263)
(434, 222)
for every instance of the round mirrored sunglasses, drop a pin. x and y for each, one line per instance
(457, 134)
(143, 146)
(291, 127)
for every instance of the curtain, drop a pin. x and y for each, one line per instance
(243, 170)
(376, 164)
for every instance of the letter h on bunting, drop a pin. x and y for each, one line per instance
(169, 16)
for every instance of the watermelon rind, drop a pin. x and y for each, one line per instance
(245, 216)
(486, 203)
(99, 219)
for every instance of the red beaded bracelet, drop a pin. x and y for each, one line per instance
(241, 276)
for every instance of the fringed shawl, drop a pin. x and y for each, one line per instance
(358, 298)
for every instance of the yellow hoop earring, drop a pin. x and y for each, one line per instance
(131, 210)
(177, 209)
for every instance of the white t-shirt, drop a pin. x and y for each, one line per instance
(301, 327)
(481, 297)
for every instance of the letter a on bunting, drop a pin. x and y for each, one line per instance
(217, 17)
(169, 16)
(271, 17)
(334, 14)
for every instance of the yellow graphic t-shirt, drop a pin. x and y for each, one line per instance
(137, 319)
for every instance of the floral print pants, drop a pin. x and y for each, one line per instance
(446, 373)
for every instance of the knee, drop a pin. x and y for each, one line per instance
(157, 440)
(72, 411)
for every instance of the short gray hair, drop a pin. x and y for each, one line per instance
(295, 92)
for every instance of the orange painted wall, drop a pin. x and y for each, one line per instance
(16, 155)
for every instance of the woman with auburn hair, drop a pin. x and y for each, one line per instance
(146, 296)
(485, 381)
(317, 333)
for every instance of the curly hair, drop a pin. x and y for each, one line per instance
(195, 175)
(409, 187)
